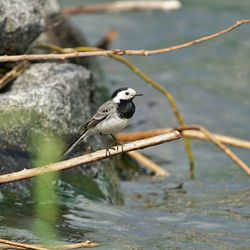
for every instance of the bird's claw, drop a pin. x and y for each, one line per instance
(108, 154)
(119, 145)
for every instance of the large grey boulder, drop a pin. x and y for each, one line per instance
(54, 97)
(48, 99)
(21, 21)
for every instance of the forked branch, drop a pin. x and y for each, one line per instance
(199, 132)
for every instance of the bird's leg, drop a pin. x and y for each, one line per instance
(108, 154)
(117, 142)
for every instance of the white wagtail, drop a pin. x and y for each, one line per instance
(111, 117)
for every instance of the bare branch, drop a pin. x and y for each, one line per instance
(17, 245)
(46, 57)
(224, 148)
(190, 133)
(204, 134)
(121, 6)
(13, 73)
(89, 158)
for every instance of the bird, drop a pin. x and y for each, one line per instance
(111, 117)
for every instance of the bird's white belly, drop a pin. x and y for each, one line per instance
(111, 125)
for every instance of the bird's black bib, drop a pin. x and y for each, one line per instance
(125, 109)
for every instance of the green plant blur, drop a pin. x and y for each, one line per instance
(46, 150)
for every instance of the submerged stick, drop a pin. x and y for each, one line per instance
(148, 164)
(88, 158)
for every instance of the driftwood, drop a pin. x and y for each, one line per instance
(7, 244)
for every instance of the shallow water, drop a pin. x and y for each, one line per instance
(210, 83)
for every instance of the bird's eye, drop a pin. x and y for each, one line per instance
(127, 93)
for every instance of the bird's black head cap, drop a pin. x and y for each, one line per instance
(117, 91)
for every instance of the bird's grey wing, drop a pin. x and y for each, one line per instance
(106, 109)
(103, 111)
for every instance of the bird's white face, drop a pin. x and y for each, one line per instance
(126, 94)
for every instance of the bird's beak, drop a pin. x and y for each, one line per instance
(138, 94)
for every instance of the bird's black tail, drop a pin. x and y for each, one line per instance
(75, 143)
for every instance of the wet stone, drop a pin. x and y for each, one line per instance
(22, 21)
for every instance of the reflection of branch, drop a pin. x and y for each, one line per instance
(45, 57)
(121, 6)
(89, 158)
(203, 134)
(7, 244)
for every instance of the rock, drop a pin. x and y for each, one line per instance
(21, 21)
(47, 97)
(57, 94)
(55, 97)
(52, 97)
(51, 7)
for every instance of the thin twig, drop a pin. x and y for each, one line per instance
(190, 133)
(121, 6)
(13, 73)
(224, 148)
(89, 158)
(142, 52)
(148, 164)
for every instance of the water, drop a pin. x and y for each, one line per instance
(210, 83)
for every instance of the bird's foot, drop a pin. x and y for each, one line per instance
(119, 145)
(117, 142)
(108, 154)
